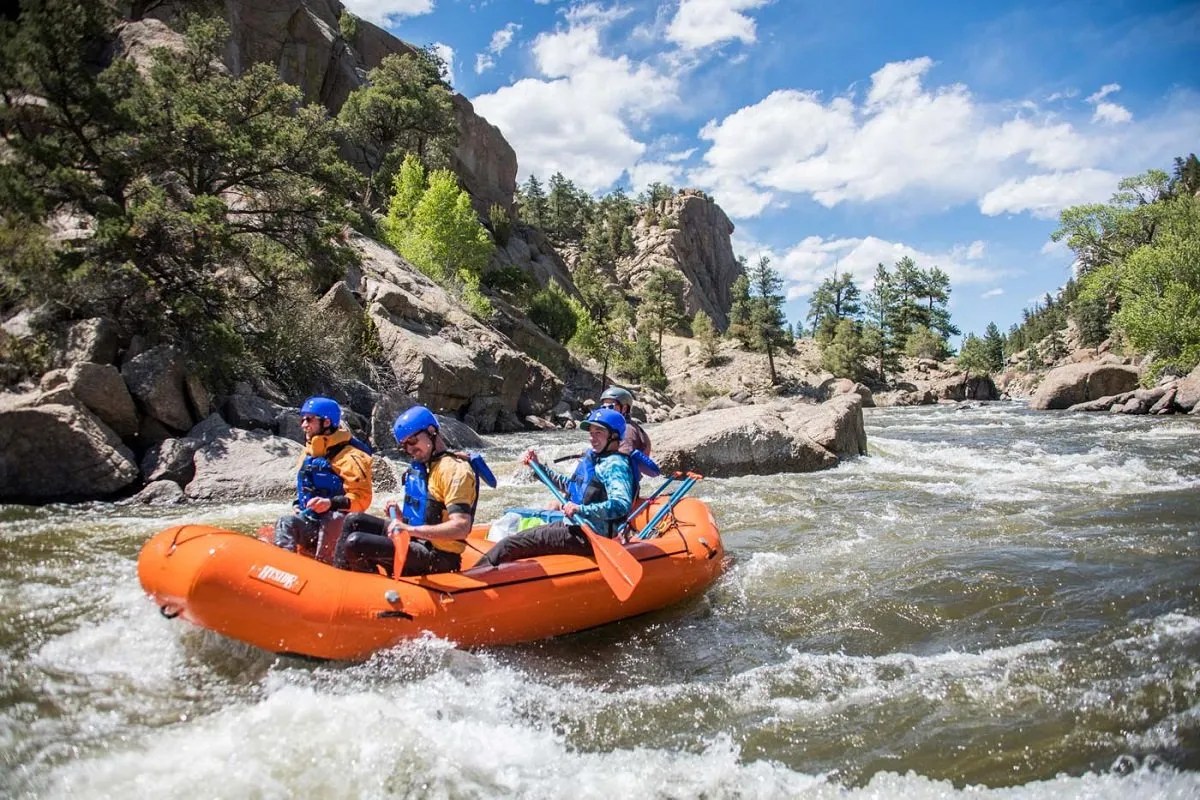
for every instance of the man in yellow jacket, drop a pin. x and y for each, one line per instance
(333, 479)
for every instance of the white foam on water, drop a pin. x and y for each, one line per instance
(496, 736)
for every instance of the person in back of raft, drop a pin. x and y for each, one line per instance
(334, 478)
(440, 493)
(599, 494)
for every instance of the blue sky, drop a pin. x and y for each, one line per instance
(840, 135)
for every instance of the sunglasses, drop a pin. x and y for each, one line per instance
(411, 441)
(309, 418)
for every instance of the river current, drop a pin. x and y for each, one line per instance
(993, 603)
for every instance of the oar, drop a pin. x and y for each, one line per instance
(620, 570)
(400, 541)
(647, 501)
(690, 481)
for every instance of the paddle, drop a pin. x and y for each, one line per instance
(400, 541)
(647, 501)
(648, 529)
(620, 570)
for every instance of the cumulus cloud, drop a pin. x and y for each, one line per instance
(1108, 112)
(804, 265)
(577, 117)
(933, 145)
(702, 23)
(1047, 194)
(386, 12)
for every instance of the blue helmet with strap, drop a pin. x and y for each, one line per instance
(323, 407)
(606, 418)
(413, 420)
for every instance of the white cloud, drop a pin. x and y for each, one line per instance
(1046, 194)
(502, 38)
(577, 118)
(1104, 92)
(386, 12)
(644, 173)
(903, 137)
(702, 23)
(1111, 113)
(933, 146)
(483, 62)
(804, 265)
(990, 293)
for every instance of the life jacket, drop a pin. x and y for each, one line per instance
(584, 487)
(419, 508)
(316, 476)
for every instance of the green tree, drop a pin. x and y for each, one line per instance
(215, 198)
(740, 308)
(405, 107)
(531, 199)
(924, 343)
(705, 333)
(1106, 233)
(661, 308)
(837, 298)
(1159, 289)
(844, 354)
(441, 235)
(973, 357)
(567, 209)
(993, 349)
(879, 337)
(551, 311)
(767, 322)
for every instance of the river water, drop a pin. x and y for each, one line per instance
(993, 603)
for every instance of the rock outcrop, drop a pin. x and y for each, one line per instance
(763, 439)
(1071, 384)
(688, 233)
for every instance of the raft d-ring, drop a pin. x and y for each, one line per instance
(169, 615)
(704, 542)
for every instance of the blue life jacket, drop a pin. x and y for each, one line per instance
(419, 508)
(316, 476)
(583, 486)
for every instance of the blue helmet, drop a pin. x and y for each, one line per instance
(323, 407)
(606, 418)
(414, 420)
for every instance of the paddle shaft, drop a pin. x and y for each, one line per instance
(647, 501)
(400, 542)
(675, 497)
(620, 570)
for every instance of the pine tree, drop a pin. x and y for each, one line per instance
(767, 321)
(406, 107)
(993, 348)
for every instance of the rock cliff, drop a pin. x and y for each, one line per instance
(303, 40)
(689, 233)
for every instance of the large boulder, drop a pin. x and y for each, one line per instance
(60, 451)
(1187, 392)
(232, 463)
(158, 381)
(763, 439)
(101, 389)
(1070, 384)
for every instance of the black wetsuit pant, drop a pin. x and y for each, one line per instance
(544, 540)
(311, 533)
(365, 545)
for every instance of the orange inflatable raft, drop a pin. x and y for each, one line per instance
(248, 589)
